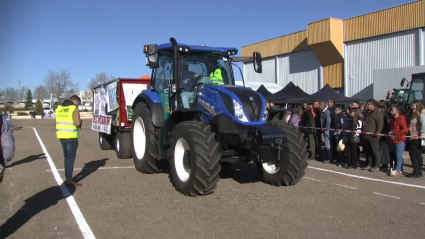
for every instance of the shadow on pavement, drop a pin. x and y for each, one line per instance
(28, 159)
(240, 172)
(89, 168)
(34, 205)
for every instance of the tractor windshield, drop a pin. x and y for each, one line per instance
(416, 90)
(211, 65)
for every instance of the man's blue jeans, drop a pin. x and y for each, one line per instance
(398, 150)
(328, 135)
(69, 147)
(186, 97)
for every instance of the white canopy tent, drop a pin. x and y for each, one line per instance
(272, 87)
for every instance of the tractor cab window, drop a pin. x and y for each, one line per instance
(416, 90)
(163, 74)
(204, 68)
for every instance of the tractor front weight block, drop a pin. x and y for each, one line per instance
(266, 144)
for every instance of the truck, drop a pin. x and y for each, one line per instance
(112, 113)
(193, 117)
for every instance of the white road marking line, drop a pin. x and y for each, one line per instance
(79, 218)
(76, 169)
(312, 179)
(366, 178)
(345, 186)
(385, 195)
(422, 203)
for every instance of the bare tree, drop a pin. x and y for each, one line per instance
(21, 93)
(100, 78)
(41, 93)
(10, 94)
(59, 82)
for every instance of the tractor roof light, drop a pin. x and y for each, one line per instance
(184, 49)
(145, 49)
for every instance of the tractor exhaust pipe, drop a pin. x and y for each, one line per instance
(176, 70)
(173, 41)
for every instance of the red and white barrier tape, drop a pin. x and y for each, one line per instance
(358, 132)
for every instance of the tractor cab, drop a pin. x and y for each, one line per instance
(196, 65)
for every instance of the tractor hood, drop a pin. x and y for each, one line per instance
(245, 104)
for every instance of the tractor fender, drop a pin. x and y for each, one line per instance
(151, 99)
(175, 118)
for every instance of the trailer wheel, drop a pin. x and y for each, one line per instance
(195, 159)
(290, 170)
(105, 141)
(123, 145)
(143, 140)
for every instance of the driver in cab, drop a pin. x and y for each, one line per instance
(188, 83)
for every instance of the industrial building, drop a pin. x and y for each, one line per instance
(349, 55)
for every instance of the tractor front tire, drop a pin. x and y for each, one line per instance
(289, 170)
(143, 140)
(123, 145)
(105, 141)
(195, 159)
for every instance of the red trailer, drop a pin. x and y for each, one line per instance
(112, 112)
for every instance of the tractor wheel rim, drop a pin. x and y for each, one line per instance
(271, 168)
(180, 153)
(139, 138)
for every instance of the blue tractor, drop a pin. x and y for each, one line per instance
(196, 118)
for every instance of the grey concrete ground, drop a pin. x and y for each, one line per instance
(118, 202)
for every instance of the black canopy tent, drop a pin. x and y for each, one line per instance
(264, 92)
(289, 94)
(327, 93)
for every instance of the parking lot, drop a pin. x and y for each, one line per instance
(116, 201)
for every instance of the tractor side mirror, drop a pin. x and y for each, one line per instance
(257, 62)
(402, 82)
(151, 52)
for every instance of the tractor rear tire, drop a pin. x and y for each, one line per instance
(105, 141)
(143, 140)
(123, 145)
(194, 144)
(291, 169)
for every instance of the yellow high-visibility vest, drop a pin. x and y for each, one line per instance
(216, 77)
(65, 127)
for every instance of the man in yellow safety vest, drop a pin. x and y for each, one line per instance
(67, 122)
(216, 75)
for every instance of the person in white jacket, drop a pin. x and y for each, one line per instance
(353, 139)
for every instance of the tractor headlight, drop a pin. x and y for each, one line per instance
(265, 115)
(239, 112)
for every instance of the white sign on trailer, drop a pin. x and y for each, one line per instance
(101, 123)
(131, 91)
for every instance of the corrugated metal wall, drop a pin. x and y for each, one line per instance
(280, 45)
(398, 18)
(383, 52)
(268, 75)
(302, 68)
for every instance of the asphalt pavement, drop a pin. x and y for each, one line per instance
(116, 201)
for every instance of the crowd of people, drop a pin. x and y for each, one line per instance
(322, 124)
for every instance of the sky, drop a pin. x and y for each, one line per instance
(86, 37)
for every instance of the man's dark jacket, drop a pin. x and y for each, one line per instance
(374, 122)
